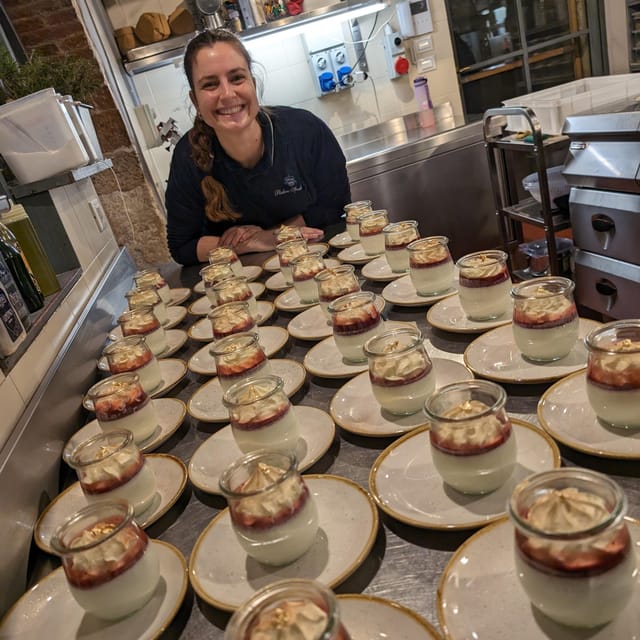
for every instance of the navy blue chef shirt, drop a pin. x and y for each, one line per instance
(302, 171)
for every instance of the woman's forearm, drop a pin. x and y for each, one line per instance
(205, 244)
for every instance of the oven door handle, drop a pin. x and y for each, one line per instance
(607, 288)
(602, 223)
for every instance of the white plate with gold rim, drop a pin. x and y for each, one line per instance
(355, 408)
(170, 412)
(494, 355)
(175, 315)
(325, 361)
(175, 340)
(206, 403)
(223, 576)
(355, 255)
(341, 240)
(48, 610)
(215, 454)
(378, 270)
(290, 301)
(403, 293)
(273, 263)
(202, 331)
(368, 617)
(448, 315)
(179, 295)
(250, 272)
(407, 486)
(480, 595)
(566, 415)
(171, 478)
(272, 339)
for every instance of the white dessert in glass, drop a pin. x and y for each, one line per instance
(132, 354)
(430, 265)
(120, 402)
(295, 609)
(272, 511)
(261, 415)
(239, 357)
(613, 373)
(230, 318)
(397, 236)
(235, 290)
(110, 466)
(334, 283)
(545, 318)
(212, 274)
(143, 322)
(286, 252)
(226, 256)
(573, 553)
(354, 319)
(304, 268)
(111, 567)
(148, 297)
(352, 212)
(370, 226)
(473, 446)
(400, 370)
(484, 285)
(151, 277)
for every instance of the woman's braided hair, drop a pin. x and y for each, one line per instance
(217, 204)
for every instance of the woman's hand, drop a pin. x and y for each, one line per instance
(312, 234)
(263, 240)
(237, 235)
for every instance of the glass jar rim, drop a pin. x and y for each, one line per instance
(283, 246)
(126, 341)
(355, 299)
(144, 289)
(131, 313)
(551, 286)
(273, 384)
(400, 226)
(105, 387)
(616, 515)
(225, 282)
(609, 328)
(376, 213)
(414, 333)
(223, 308)
(223, 250)
(493, 256)
(214, 267)
(483, 385)
(245, 339)
(249, 458)
(123, 506)
(357, 204)
(124, 439)
(429, 241)
(303, 257)
(338, 270)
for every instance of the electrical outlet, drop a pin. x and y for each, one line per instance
(98, 214)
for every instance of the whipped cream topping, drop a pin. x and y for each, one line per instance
(229, 290)
(286, 232)
(291, 620)
(401, 234)
(226, 318)
(222, 254)
(408, 366)
(110, 550)
(625, 346)
(334, 284)
(109, 463)
(372, 224)
(139, 323)
(150, 278)
(143, 297)
(257, 403)
(547, 307)
(482, 266)
(469, 429)
(306, 266)
(273, 495)
(430, 251)
(354, 210)
(287, 254)
(122, 356)
(214, 273)
(354, 310)
(567, 511)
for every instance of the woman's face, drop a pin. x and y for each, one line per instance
(223, 89)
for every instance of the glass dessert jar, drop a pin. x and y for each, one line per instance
(430, 265)
(370, 226)
(148, 297)
(613, 373)
(143, 322)
(230, 318)
(545, 318)
(354, 319)
(110, 466)
(286, 232)
(295, 608)
(110, 565)
(226, 256)
(132, 354)
(120, 402)
(213, 273)
(573, 553)
(484, 285)
(397, 237)
(151, 278)
(272, 511)
(261, 415)
(235, 290)
(239, 357)
(400, 370)
(286, 252)
(335, 282)
(473, 446)
(303, 270)
(353, 211)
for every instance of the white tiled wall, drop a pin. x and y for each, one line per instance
(95, 250)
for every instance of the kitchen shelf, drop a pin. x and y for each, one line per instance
(530, 211)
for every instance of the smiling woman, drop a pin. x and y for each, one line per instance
(243, 169)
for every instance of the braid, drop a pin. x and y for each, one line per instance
(217, 204)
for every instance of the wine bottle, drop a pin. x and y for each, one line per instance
(12, 332)
(13, 293)
(27, 284)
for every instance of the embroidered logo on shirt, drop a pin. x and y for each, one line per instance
(290, 186)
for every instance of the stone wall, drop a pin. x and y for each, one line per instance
(52, 27)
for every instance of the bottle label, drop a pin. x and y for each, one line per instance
(6, 279)
(9, 318)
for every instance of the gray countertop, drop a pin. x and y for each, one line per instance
(405, 563)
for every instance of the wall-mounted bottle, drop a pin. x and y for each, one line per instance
(12, 291)
(18, 222)
(425, 106)
(12, 333)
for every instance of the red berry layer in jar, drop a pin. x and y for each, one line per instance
(545, 313)
(240, 327)
(143, 328)
(120, 404)
(299, 275)
(96, 566)
(357, 322)
(129, 361)
(120, 476)
(235, 294)
(331, 296)
(433, 254)
(617, 371)
(241, 368)
(397, 381)
(487, 280)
